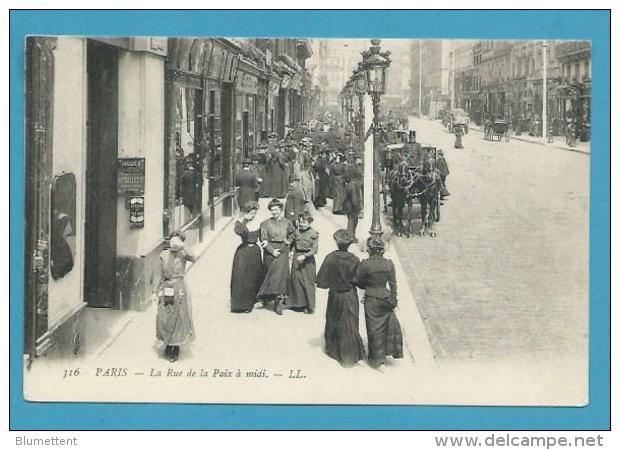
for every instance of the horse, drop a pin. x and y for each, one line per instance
(401, 181)
(427, 186)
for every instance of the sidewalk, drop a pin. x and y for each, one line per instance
(103, 325)
(559, 141)
(209, 281)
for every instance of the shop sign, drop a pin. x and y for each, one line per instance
(214, 70)
(274, 87)
(247, 82)
(230, 68)
(131, 177)
(286, 82)
(296, 83)
(136, 212)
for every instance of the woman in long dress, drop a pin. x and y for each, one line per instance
(280, 169)
(337, 177)
(247, 270)
(342, 337)
(303, 271)
(322, 180)
(276, 234)
(174, 324)
(374, 275)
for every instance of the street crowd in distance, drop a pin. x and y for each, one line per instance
(275, 261)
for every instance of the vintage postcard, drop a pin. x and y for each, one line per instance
(307, 221)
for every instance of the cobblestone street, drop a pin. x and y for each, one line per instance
(507, 275)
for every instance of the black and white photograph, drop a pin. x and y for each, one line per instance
(307, 220)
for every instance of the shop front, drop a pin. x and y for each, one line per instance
(200, 105)
(273, 90)
(94, 115)
(248, 117)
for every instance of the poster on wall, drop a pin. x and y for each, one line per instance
(131, 175)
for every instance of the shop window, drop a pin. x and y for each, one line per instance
(215, 168)
(188, 140)
(245, 134)
(577, 77)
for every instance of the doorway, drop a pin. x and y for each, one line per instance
(101, 177)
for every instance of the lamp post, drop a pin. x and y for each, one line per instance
(376, 64)
(348, 92)
(361, 86)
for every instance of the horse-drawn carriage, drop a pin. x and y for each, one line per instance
(412, 180)
(497, 129)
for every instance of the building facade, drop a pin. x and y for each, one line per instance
(430, 67)
(127, 140)
(574, 92)
(505, 79)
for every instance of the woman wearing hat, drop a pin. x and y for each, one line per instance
(280, 173)
(174, 323)
(322, 180)
(337, 178)
(374, 275)
(304, 246)
(247, 270)
(276, 234)
(342, 337)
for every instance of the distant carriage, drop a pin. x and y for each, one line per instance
(498, 129)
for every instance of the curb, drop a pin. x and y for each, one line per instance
(544, 144)
(415, 337)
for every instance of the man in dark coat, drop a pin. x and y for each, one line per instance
(190, 184)
(248, 185)
(352, 204)
(295, 200)
(442, 166)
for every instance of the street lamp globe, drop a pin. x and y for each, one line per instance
(359, 77)
(376, 64)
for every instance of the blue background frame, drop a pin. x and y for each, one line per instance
(586, 25)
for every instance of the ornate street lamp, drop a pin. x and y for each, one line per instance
(375, 65)
(348, 96)
(361, 86)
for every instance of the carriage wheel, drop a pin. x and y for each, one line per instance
(437, 208)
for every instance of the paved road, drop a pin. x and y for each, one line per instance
(507, 276)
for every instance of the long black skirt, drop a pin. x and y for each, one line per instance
(277, 273)
(246, 278)
(342, 337)
(385, 337)
(338, 194)
(303, 284)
